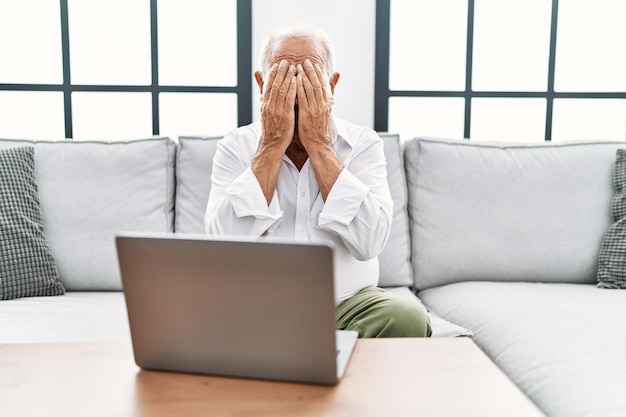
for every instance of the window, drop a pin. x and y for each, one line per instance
(524, 71)
(117, 69)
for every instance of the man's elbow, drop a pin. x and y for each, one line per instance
(371, 249)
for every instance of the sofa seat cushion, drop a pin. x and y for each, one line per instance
(440, 327)
(562, 344)
(73, 317)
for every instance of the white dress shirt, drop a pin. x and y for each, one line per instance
(356, 216)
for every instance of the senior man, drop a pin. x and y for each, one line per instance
(301, 173)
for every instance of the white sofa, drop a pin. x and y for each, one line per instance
(501, 239)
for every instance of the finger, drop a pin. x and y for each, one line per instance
(301, 93)
(281, 72)
(271, 76)
(307, 93)
(324, 81)
(290, 100)
(315, 79)
(285, 88)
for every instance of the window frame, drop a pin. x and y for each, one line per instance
(382, 93)
(243, 89)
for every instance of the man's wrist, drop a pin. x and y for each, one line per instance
(320, 147)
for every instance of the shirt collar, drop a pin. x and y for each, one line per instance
(338, 130)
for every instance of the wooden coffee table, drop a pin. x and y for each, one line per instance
(385, 377)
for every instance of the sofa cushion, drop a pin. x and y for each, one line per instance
(440, 327)
(194, 164)
(395, 259)
(561, 344)
(612, 258)
(76, 317)
(507, 212)
(27, 267)
(91, 190)
(193, 179)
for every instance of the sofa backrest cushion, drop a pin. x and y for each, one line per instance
(193, 179)
(89, 191)
(507, 212)
(395, 259)
(194, 165)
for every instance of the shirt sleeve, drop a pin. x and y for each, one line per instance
(359, 207)
(237, 205)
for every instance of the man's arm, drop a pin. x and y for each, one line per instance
(315, 106)
(358, 206)
(240, 201)
(236, 204)
(278, 121)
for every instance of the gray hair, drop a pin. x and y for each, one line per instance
(304, 31)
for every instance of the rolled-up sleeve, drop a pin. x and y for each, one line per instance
(237, 205)
(359, 207)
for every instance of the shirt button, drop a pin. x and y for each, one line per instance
(302, 194)
(301, 228)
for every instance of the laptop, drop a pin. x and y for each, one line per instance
(233, 307)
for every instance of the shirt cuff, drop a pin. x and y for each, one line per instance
(247, 198)
(344, 200)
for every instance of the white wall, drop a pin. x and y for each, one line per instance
(351, 25)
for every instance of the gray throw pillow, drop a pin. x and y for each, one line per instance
(612, 257)
(27, 267)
